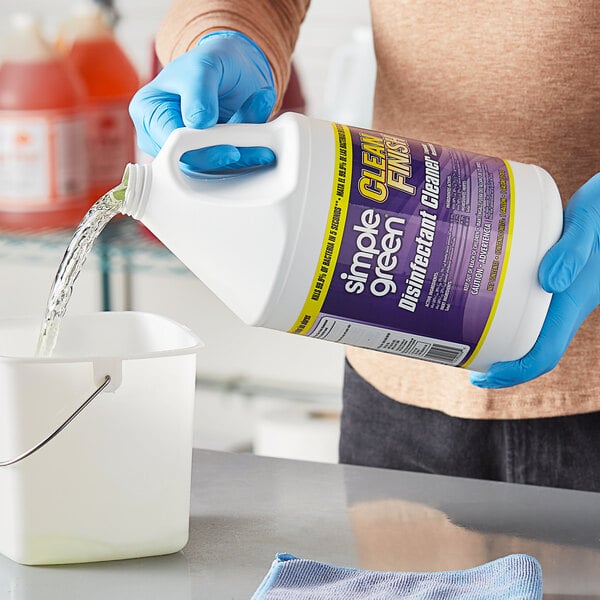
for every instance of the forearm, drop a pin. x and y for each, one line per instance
(273, 25)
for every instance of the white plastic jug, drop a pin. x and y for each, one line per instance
(362, 237)
(114, 482)
(350, 81)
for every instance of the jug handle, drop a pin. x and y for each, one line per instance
(185, 139)
(35, 448)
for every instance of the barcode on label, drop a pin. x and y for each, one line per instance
(444, 354)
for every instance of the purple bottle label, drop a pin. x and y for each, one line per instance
(414, 255)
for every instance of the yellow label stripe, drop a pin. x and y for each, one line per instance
(332, 240)
(507, 247)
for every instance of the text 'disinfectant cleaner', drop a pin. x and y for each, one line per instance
(361, 237)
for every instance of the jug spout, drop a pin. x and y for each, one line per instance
(136, 185)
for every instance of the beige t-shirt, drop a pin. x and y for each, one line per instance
(518, 80)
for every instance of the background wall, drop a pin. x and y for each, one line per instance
(239, 362)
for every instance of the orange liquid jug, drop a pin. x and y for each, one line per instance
(43, 164)
(110, 81)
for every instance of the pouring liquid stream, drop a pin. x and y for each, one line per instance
(91, 226)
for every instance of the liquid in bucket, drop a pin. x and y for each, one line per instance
(362, 238)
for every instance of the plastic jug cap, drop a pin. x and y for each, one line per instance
(88, 21)
(24, 21)
(24, 41)
(86, 8)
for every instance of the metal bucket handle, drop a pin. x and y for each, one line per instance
(31, 451)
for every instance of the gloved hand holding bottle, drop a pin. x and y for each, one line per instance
(226, 78)
(571, 271)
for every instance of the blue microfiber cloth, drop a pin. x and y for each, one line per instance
(514, 577)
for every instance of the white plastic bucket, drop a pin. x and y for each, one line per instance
(115, 482)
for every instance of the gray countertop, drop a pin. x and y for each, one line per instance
(245, 509)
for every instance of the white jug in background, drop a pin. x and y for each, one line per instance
(350, 84)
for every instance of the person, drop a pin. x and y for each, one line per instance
(520, 81)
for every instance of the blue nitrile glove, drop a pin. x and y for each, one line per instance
(571, 270)
(226, 78)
